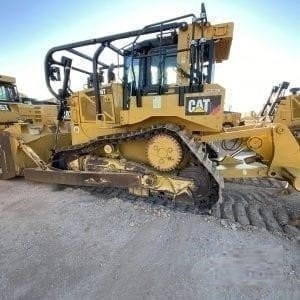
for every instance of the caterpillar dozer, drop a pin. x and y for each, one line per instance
(27, 131)
(279, 108)
(155, 125)
(232, 118)
(282, 108)
(8, 96)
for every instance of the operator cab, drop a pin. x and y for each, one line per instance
(8, 90)
(151, 67)
(175, 56)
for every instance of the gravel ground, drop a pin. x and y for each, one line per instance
(75, 244)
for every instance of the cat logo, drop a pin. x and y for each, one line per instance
(199, 105)
(202, 105)
(4, 107)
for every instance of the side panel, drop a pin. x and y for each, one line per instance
(203, 110)
(8, 113)
(296, 109)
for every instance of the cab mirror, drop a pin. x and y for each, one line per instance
(54, 74)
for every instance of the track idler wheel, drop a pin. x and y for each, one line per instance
(205, 193)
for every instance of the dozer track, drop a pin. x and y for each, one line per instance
(263, 208)
(260, 182)
(243, 203)
(244, 207)
(198, 149)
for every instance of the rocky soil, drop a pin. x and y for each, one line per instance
(72, 243)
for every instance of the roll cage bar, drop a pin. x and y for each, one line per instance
(52, 65)
(276, 95)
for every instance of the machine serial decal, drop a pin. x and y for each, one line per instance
(156, 103)
(202, 105)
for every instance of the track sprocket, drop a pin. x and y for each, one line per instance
(164, 152)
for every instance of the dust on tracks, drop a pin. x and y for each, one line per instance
(263, 207)
(244, 205)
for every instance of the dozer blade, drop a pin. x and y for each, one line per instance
(7, 165)
(83, 178)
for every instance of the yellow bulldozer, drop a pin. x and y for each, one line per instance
(232, 118)
(279, 108)
(27, 130)
(150, 118)
(282, 108)
(8, 97)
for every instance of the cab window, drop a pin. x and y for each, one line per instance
(164, 67)
(8, 93)
(133, 70)
(3, 96)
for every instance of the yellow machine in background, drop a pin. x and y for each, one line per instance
(27, 131)
(156, 125)
(8, 97)
(281, 108)
(232, 118)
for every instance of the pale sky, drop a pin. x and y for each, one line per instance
(265, 48)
